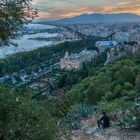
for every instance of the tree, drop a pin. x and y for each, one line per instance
(62, 81)
(22, 118)
(127, 74)
(92, 96)
(13, 14)
(137, 57)
(128, 86)
(94, 93)
(137, 83)
(84, 71)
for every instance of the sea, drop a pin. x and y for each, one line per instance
(25, 43)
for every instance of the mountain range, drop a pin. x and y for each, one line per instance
(98, 18)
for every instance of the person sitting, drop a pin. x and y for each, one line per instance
(103, 121)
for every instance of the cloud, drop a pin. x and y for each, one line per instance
(52, 9)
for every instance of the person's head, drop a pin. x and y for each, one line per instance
(103, 113)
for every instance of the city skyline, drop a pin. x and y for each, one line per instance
(56, 9)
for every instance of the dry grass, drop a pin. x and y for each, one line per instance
(82, 138)
(91, 122)
(112, 133)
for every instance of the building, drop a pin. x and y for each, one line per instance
(74, 61)
(131, 48)
(103, 45)
(135, 38)
(121, 37)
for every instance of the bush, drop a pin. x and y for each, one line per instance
(76, 113)
(22, 118)
(128, 86)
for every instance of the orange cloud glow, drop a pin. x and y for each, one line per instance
(129, 6)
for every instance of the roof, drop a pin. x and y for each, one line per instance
(82, 55)
(106, 43)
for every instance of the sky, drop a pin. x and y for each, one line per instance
(56, 9)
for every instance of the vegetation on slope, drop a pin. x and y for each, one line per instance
(115, 89)
(22, 118)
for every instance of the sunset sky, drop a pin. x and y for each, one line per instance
(54, 9)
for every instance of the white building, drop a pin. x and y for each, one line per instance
(121, 37)
(74, 61)
(102, 45)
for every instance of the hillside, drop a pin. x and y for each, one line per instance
(98, 18)
(66, 76)
(114, 88)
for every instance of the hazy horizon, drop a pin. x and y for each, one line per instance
(81, 15)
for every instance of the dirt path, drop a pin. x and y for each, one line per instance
(90, 132)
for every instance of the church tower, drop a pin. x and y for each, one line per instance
(66, 55)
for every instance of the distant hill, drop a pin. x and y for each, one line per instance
(98, 18)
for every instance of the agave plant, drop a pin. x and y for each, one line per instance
(76, 113)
